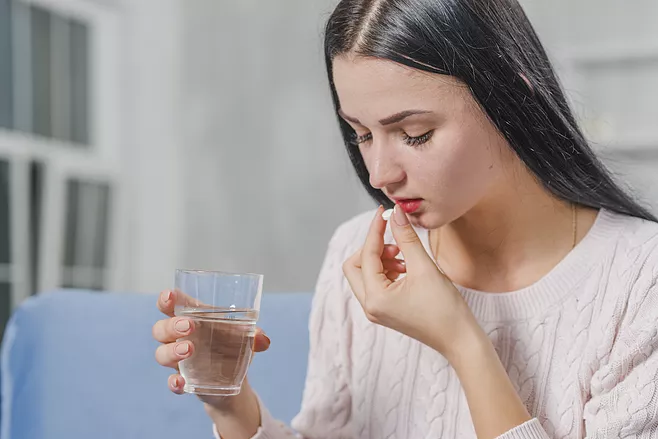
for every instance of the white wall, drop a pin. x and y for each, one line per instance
(267, 179)
(155, 189)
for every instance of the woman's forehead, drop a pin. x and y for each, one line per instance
(377, 71)
(383, 87)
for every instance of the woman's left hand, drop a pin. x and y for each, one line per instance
(424, 304)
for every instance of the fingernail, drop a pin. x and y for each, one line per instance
(264, 335)
(176, 383)
(166, 297)
(400, 217)
(182, 326)
(182, 349)
(267, 338)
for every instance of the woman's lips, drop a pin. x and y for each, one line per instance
(410, 206)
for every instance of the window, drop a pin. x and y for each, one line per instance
(86, 234)
(36, 171)
(6, 66)
(58, 150)
(50, 61)
(5, 246)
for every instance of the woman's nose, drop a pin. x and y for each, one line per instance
(384, 168)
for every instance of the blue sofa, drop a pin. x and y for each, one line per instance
(80, 365)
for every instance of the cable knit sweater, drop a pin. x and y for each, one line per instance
(580, 346)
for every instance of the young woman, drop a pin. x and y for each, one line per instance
(527, 303)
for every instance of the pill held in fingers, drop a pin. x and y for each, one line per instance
(387, 214)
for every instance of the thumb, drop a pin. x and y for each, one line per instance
(406, 238)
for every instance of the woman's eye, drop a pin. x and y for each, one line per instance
(358, 140)
(417, 141)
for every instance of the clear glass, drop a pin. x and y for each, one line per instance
(223, 308)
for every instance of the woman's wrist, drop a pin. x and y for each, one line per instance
(473, 347)
(462, 338)
(492, 399)
(236, 417)
(469, 342)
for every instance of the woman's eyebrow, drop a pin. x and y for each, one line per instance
(395, 118)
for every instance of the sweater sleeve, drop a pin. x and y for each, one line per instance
(624, 390)
(530, 430)
(326, 404)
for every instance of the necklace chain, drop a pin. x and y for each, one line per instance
(574, 227)
(574, 232)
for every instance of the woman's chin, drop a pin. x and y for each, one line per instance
(424, 220)
(429, 219)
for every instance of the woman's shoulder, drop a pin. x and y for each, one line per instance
(637, 240)
(636, 264)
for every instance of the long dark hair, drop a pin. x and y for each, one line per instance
(492, 47)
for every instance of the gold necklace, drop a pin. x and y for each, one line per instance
(574, 232)
(574, 216)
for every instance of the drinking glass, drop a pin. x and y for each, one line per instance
(223, 309)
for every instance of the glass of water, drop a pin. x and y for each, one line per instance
(223, 309)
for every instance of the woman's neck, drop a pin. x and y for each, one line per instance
(510, 241)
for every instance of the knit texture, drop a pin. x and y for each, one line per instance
(580, 346)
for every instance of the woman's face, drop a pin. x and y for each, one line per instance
(425, 142)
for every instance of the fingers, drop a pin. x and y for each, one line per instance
(353, 274)
(407, 239)
(393, 268)
(166, 303)
(392, 275)
(176, 383)
(261, 341)
(378, 255)
(371, 254)
(170, 330)
(374, 277)
(394, 265)
(390, 251)
(168, 299)
(170, 354)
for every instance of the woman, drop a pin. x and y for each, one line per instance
(527, 302)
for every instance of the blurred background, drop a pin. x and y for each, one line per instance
(141, 136)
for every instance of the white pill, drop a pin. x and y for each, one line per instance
(387, 214)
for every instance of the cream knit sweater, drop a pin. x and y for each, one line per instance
(580, 346)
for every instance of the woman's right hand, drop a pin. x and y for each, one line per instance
(170, 352)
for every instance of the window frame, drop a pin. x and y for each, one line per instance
(64, 161)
